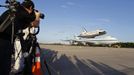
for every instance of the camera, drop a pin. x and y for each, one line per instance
(41, 14)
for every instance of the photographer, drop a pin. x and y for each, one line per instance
(23, 62)
(24, 17)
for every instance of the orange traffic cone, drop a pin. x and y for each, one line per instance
(36, 68)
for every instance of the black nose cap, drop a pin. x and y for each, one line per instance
(101, 33)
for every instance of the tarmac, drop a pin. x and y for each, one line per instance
(80, 60)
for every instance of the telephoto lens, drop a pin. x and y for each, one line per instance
(42, 15)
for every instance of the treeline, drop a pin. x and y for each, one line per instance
(125, 44)
(115, 45)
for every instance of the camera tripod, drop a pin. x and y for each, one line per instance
(29, 46)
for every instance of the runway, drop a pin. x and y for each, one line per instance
(79, 60)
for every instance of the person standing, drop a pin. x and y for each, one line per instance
(24, 16)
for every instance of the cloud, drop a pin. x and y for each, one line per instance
(64, 6)
(70, 3)
(67, 5)
(104, 20)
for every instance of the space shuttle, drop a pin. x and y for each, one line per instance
(91, 34)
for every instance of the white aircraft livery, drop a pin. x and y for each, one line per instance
(91, 34)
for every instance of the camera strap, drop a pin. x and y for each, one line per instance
(5, 23)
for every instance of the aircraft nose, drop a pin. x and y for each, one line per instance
(101, 33)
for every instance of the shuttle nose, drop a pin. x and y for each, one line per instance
(102, 33)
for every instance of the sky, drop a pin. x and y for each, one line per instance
(66, 18)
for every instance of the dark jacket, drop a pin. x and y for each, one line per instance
(21, 21)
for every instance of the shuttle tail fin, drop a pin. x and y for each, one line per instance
(84, 29)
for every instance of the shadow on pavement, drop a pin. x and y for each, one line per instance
(72, 65)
